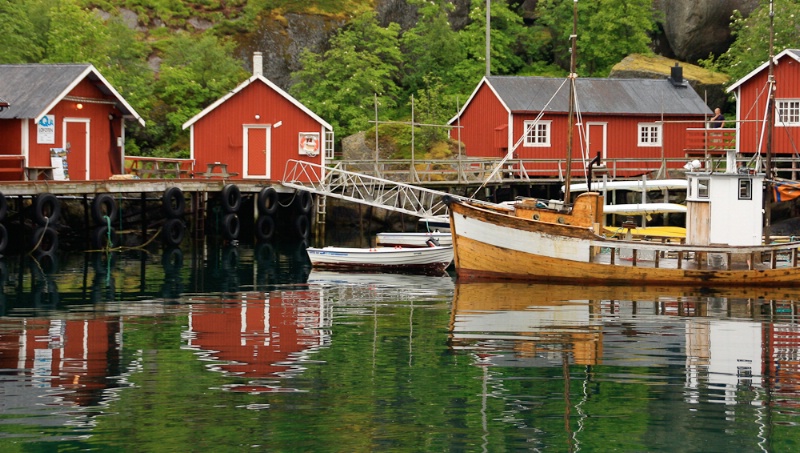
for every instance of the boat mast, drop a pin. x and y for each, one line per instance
(770, 125)
(571, 117)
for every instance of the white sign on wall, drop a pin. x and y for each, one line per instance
(46, 130)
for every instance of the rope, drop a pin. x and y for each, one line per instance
(39, 242)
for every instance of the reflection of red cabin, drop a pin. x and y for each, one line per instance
(73, 355)
(259, 338)
(620, 118)
(62, 106)
(751, 101)
(256, 128)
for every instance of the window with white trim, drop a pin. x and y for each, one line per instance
(788, 112)
(537, 133)
(649, 134)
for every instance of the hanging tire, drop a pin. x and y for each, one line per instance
(104, 205)
(231, 198)
(230, 226)
(45, 240)
(46, 209)
(304, 202)
(174, 203)
(267, 201)
(3, 206)
(302, 226)
(173, 231)
(3, 238)
(265, 228)
(172, 260)
(102, 237)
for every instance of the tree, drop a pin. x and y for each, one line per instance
(18, 37)
(339, 84)
(423, 59)
(507, 39)
(750, 48)
(76, 36)
(608, 31)
(194, 73)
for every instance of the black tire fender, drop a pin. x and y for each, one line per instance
(174, 203)
(231, 198)
(265, 228)
(173, 231)
(230, 226)
(45, 239)
(267, 201)
(46, 209)
(104, 205)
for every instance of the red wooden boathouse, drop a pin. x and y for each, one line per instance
(70, 108)
(255, 129)
(619, 118)
(751, 92)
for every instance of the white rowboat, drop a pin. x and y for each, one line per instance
(412, 239)
(386, 259)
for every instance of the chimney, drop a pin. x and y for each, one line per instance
(676, 76)
(258, 64)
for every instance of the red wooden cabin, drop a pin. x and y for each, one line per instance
(255, 129)
(70, 108)
(751, 94)
(619, 118)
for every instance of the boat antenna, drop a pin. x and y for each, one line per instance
(571, 117)
(770, 126)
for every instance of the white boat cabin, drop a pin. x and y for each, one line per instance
(724, 208)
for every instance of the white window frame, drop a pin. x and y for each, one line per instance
(542, 139)
(648, 129)
(787, 112)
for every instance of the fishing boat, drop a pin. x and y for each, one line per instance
(555, 241)
(656, 205)
(413, 239)
(432, 260)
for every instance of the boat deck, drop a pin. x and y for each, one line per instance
(688, 260)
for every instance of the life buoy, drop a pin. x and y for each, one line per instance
(265, 228)
(46, 209)
(267, 201)
(304, 202)
(230, 226)
(3, 206)
(173, 231)
(174, 203)
(309, 144)
(103, 237)
(231, 198)
(302, 226)
(45, 239)
(104, 205)
(3, 238)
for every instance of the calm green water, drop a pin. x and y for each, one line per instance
(246, 349)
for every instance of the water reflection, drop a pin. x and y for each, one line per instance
(148, 348)
(732, 347)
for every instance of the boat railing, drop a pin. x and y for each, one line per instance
(668, 254)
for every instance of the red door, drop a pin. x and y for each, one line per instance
(76, 142)
(256, 151)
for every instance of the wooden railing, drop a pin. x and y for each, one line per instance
(158, 167)
(12, 167)
(700, 142)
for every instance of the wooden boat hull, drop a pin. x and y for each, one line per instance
(384, 259)
(491, 244)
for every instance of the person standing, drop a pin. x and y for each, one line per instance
(718, 119)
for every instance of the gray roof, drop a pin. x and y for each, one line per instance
(33, 89)
(599, 96)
